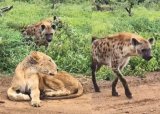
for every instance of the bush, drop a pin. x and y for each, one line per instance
(71, 47)
(70, 51)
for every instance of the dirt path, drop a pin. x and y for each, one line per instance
(146, 99)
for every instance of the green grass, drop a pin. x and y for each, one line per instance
(71, 47)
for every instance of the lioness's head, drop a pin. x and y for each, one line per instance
(43, 63)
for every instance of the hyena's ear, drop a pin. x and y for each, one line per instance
(54, 26)
(34, 57)
(43, 27)
(134, 42)
(151, 41)
(54, 17)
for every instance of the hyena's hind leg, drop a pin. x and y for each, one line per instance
(95, 67)
(13, 95)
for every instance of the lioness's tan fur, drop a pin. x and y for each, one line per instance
(38, 72)
(26, 79)
(60, 86)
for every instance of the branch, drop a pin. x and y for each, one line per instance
(7, 8)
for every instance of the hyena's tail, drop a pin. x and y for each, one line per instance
(94, 38)
(78, 94)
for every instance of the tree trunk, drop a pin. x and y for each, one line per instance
(129, 10)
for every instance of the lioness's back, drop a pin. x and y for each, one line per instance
(66, 78)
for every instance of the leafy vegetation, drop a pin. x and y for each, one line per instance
(71, 46)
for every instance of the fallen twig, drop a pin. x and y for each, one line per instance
(5, 9)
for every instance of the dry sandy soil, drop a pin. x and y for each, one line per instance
(146, 99)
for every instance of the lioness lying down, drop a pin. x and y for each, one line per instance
(38, 72)
(60, 86)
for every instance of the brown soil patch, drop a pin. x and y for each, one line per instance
(146, 99)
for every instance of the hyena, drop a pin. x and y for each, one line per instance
(115, 51)
(42, 32)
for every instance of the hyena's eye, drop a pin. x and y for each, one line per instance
(145, 50)
(48, 34)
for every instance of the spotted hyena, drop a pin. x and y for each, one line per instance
(42, 32)
(115, 52)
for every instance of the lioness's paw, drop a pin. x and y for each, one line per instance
(36, 103)
(26, 97)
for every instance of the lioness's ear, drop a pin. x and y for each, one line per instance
(32, 61)
(151, 41)
(134, 42)
(34, 57)
(43, 27)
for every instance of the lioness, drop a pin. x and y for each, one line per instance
(60, 86)
(31, 81)
(26, 79)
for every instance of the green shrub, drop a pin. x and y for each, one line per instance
(71, 46)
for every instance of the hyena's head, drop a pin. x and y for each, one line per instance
(47, 31)
(143, 47)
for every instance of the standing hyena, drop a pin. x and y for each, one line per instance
(114, 52)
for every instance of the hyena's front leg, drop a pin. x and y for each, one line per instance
(124, 82)
(13, 95)
(114, 83)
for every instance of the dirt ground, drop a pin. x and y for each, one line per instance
(146, 99)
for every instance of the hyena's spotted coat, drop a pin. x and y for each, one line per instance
(115, 52)
(42, 32)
